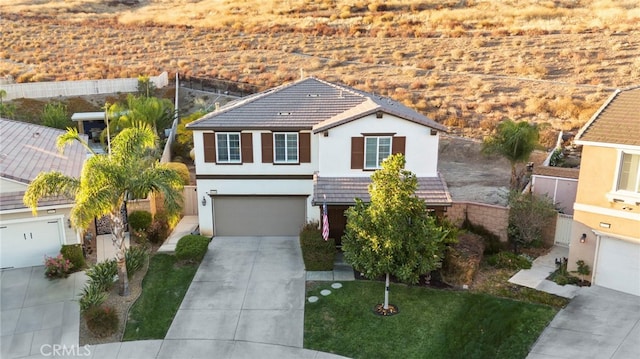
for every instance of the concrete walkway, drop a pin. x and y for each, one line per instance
(187, 225)
(341, 272)
(536, 277)
(37, 312)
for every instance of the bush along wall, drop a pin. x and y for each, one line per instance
(318, 254)
(192, 248)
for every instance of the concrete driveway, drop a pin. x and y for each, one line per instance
(38, 313)
(598, 323)
(248, 289)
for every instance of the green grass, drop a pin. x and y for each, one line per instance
(431, 323)
(163, 288)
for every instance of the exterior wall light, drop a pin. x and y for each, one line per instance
(204, 201)
(583, 238)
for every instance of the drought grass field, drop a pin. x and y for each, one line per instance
(466, 64)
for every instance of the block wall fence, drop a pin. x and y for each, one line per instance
(492, 217)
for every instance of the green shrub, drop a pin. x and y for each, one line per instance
(57, 267)
(318, 254)
(140, 220)
(182, 170)
(102, 321)
(73, 252)
(192, 248)
(135, 258)
(159, 229)
(92, 295)
(103, 274)
(492, 243)
(509, 260)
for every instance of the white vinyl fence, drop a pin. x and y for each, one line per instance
(563, 230)
(77, 88)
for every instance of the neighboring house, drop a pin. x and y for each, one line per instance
(25, 151)
(607, 208)
(266, 163)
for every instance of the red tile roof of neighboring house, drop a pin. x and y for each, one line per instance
(27, 149)
(344, 190)
(617, 121)
(309, 103)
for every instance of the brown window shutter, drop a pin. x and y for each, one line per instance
(305, 147)
(397, 145)
(357, 153)
(267, 147)
(209, 147)
(246, 143)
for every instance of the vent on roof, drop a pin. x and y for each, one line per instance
(313, 95)
(284, 113)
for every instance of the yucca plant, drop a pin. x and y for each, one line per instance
(135, 257)
(103, 274)
(92, 296)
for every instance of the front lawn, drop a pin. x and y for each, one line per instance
(431, 323)
(163, 288)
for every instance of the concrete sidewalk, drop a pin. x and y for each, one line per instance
(536, 277)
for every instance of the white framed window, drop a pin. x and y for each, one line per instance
(285, 147)
(376, 149)
(629, 173)
(228, 147)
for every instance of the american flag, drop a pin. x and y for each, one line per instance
(325, 221)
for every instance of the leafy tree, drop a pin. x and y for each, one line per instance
(184, 137)
(55, 115)
(393, 234)
(528, 216)
(7, 110)
(106, 182)
(514, 141)
(146, 88)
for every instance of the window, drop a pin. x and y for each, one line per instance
(629, 174)
(285, 147)
(228, 147)
(376, 149)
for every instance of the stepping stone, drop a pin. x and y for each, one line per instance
(325, 292)
(313, 299)
(336, 285)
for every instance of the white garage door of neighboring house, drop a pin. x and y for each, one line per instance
(24, 244)
(258, 215)
(618, 265)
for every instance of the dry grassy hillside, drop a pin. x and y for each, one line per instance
(467, 64)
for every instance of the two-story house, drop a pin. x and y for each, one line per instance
(266, 163)
(25, 151)
(606, 228)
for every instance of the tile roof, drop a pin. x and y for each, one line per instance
(617, 121)
(13, 200)
(309, 103)
(344, 190)
(27, 149)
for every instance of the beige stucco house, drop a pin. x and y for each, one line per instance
(606, 227)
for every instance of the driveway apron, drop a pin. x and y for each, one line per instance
(246, 289)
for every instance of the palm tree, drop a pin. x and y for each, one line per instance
(106, 182)
(514, 141)
(157, 113)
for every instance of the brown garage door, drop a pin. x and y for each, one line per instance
(259, 215)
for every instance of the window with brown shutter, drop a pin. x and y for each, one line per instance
(209, 140)
(305, 147)
(267, 147)
(398, 145)
(357, 153)
(246, 143)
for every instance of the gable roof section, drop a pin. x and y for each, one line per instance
(309, 103)
(344, 190)
(27, 149)
(617, 122)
